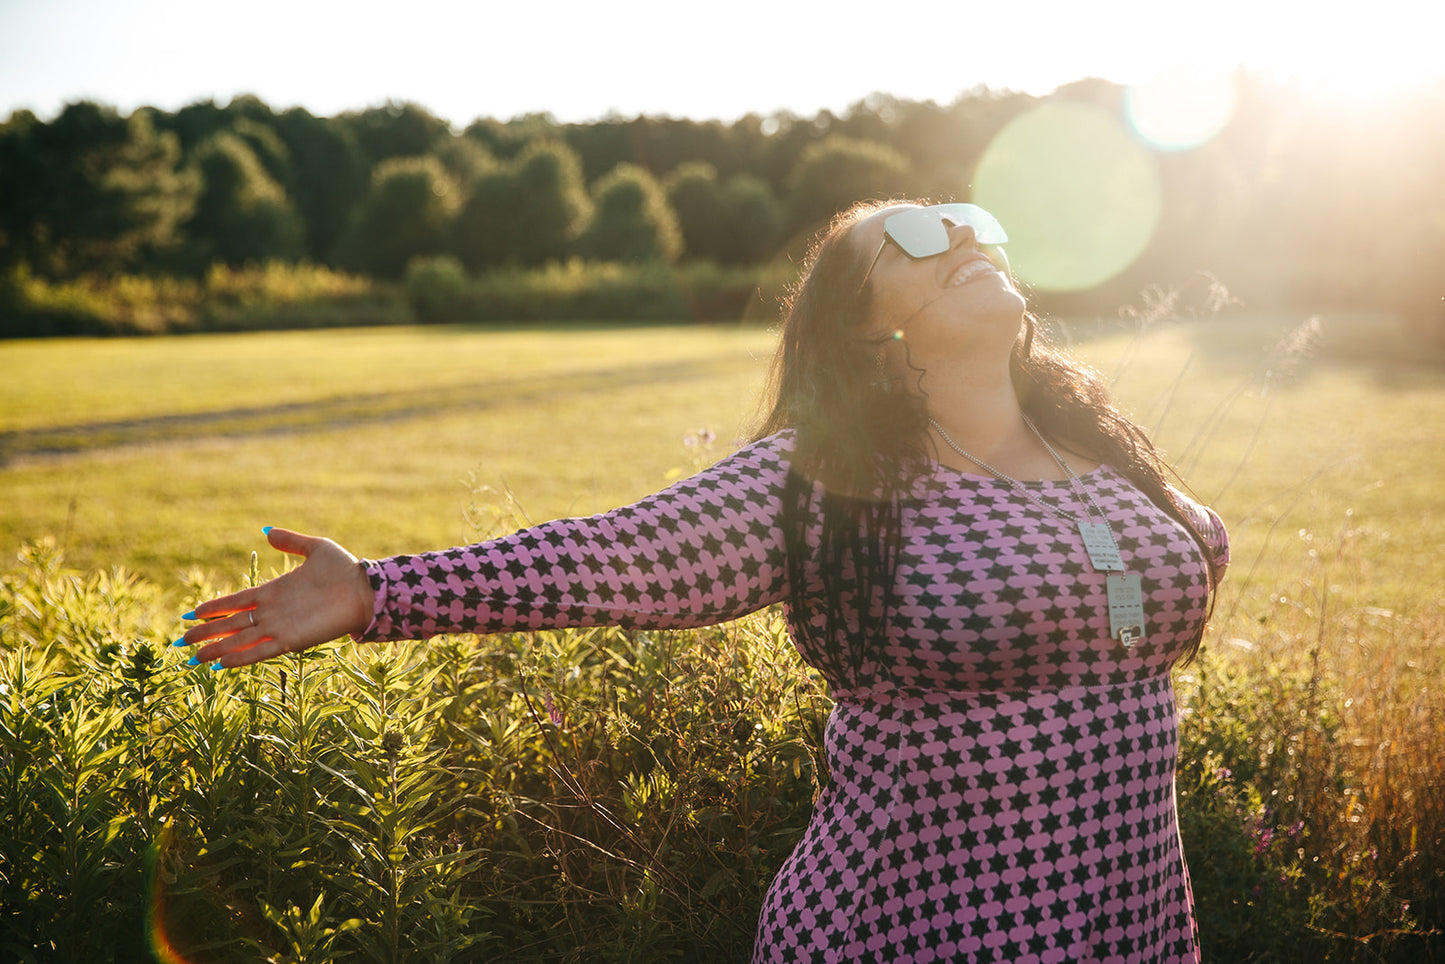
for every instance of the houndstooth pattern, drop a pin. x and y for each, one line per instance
(1002, 777)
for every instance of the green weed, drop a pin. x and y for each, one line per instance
(611, 795)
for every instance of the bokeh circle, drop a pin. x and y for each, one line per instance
(1079, 196)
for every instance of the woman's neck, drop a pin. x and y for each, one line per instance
(986, 421)
(976, 406)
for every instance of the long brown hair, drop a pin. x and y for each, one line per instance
(861, 438)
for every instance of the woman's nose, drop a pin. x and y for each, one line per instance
(961, 235)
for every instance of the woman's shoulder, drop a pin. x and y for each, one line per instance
(771, 455)
(778, 447)
(781, 441)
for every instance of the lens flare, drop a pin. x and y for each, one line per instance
(162, 949)
(1079, 196)
(1180, 109)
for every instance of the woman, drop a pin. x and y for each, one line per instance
(981, 555)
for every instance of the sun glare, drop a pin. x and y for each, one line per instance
(1181, 108)
(1374, 52)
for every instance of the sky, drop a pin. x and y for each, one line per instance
(581, 61)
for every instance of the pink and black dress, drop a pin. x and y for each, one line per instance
(1002, 777)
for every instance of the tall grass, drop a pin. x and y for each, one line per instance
(268, 296)
(595, 795)
(606, 795)
(439, 290)
(1312, 788)
(280, 296)
(616, 796)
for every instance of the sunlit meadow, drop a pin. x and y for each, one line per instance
(604, 795)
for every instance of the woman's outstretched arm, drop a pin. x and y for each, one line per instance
(326, 597)
(704, 550)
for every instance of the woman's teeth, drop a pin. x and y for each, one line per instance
(969, 271)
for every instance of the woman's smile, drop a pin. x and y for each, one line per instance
(973, 267)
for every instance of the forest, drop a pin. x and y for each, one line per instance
(1298, 201)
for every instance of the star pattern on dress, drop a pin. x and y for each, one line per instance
(1001, 769)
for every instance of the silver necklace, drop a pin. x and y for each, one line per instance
(1125, 589)
(1023, 490)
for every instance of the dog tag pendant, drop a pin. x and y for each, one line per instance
(1099, 544)
(1126, 608)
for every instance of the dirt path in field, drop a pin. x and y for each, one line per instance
(355, 409)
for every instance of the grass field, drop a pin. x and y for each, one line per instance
(1312, 790)
(160, 454)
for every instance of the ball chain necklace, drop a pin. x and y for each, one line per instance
(1125, 589)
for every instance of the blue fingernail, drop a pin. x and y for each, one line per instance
(193, 661)
(216, 666)
(180, 642)
(266, 530)
(189, 615)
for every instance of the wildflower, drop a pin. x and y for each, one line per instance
(700, 439)
(553, 714)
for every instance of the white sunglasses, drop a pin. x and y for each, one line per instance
(923, 232)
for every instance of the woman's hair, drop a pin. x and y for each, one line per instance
(862, 437)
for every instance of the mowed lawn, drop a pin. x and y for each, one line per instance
(160, 454)
(376, 437)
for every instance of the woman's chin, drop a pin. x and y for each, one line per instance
(992, 298)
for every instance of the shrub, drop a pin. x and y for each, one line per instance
(753, 223)
(408, 212)
(271, 295)
(91, 305)
(733, 222)
(281, 296)
(633, 220)
(528, 212)
(242, 214)
(696, 199)
(552, 207)
(600, 291)
(837, 171)
(434, 286)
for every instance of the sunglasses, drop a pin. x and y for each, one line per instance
(923, 232)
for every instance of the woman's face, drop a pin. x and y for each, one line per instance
(960, 300)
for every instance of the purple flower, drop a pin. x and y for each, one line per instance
(700, 439)
(553, 714)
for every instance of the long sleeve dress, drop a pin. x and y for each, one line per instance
(1001, 776)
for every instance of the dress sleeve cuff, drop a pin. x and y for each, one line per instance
(382, 624)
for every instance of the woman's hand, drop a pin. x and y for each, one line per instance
(327, 596)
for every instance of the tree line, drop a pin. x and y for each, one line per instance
(1297, 201)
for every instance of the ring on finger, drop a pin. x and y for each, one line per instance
(251, 615)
